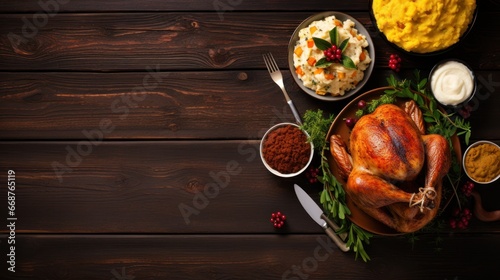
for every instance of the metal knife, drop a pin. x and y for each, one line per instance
(319, 217)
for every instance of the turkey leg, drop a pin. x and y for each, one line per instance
(438, 159)
(371, 193)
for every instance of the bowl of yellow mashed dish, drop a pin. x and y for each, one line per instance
(423, 27)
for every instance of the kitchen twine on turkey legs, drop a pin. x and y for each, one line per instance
(426, 192)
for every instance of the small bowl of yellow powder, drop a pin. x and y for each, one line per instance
(481, 162)
(423, 27)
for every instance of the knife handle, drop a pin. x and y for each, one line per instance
(331, 233)
(333, 225)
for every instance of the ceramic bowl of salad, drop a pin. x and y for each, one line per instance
(331, 56)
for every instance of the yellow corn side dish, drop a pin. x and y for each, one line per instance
(423, 26)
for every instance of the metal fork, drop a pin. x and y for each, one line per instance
(275, 73)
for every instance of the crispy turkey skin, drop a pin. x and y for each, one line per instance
(386, 147)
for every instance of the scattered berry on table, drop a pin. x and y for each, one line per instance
(350, 122)
(460, 219)
(333, 54)
(467, 188)
(395, 62)
(465, 111)
(312, 175)
(278, 219)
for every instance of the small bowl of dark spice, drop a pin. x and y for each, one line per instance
(285, 150)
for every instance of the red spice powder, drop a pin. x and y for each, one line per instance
(286, 149)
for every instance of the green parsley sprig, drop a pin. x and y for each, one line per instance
(438, 122)
(333, 196)
(317, 124)
(333, 200)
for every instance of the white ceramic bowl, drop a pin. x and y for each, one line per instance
(295, 37)
(465, 156)
(474, 81)
(273, 171)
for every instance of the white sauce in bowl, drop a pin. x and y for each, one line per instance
(452, 83)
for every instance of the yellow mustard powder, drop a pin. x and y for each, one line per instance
(483, 162)
(423, 26)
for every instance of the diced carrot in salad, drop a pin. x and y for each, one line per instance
(362, 56)
(310, 43)
(318, 71)
(329, 76)
(311, 61)
(299, 71)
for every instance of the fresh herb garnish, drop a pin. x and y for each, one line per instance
(324, 45)
(333, 195)
(333, 199)
(347, 62)
(316, 124)
(439, 122)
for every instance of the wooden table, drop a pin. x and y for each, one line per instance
(132, 128)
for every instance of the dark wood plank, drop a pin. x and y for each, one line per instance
(76, 257)
(194, 41)
(174, 40)
(177, 105)
(219, 6)
(139, 105)
(141, 187)
(182, 105)
(78, 78)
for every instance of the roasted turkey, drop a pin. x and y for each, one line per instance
(392, 169)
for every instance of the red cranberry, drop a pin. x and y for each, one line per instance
(278, 219)
(350, 122)
(395, 62)
(361, 104)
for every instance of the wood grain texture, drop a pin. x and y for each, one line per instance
(201, 105)
(189, 41)
(117, 114)
(218, 6)
(263, 257)
(141, 187)
(177, 105)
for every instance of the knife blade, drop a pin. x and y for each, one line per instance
(320, 218)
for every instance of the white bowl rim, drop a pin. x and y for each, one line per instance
(275, 172)
(367, 73)
(474, 81)
(465, 154)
